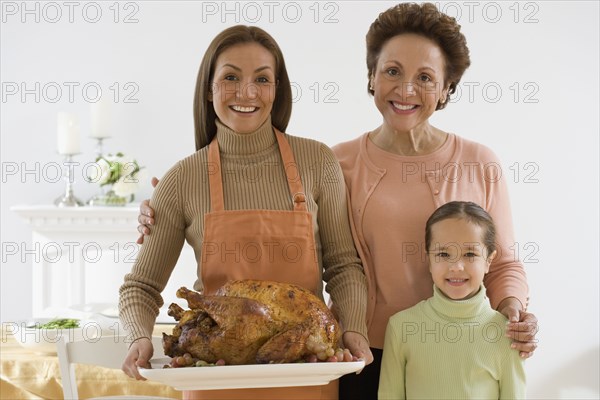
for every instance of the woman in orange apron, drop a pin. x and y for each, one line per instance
(253, 202)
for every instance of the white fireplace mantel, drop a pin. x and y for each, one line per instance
(81, 253)
(49, 218)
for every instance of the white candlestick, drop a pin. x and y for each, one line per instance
(68, 133)
(101, 119)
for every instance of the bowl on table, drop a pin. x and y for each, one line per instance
(40, 335)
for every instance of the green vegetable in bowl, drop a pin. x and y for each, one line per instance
(63, 323)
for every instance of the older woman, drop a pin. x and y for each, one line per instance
(400, 172)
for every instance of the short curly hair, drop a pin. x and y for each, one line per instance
(425, 20)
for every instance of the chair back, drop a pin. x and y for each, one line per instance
(106, 351)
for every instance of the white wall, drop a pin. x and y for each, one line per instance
(543, 56)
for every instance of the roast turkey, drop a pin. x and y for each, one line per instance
(251, 321)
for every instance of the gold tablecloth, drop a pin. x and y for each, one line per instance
(27, 375)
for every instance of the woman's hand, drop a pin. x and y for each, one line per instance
(521, 328)
(358, 346)
(139, 355)
(146, 216)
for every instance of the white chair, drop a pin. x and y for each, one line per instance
(106, 351)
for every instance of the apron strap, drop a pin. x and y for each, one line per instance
(292, 172)
(215, 179)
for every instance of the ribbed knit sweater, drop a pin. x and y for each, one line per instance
(447, 349)
(253, 178)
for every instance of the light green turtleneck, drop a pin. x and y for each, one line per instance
(253, 178)
(448, 349)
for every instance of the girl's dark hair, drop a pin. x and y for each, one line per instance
(204, 112)
(469, 212)
(425, 20)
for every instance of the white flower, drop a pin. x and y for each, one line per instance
(104, 171)
(100, 173)
(128, 167)
(128, 184)
(123, 173)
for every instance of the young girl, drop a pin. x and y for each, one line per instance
(452, 346)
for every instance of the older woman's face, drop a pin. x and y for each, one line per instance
(408, 81)
(243, 87)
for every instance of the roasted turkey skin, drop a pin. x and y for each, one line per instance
(250, 321)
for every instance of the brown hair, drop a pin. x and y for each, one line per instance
(425, 20)
(204, 112)
(469, 212)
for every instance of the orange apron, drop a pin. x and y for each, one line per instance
(260, 244)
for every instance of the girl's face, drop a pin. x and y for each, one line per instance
(408, 81)
(243, 87)
(458, 259)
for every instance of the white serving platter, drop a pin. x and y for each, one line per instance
(248, 376)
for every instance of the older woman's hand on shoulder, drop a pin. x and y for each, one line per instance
(146, 217)
(521, 328)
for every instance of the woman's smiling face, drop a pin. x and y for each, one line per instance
(243, 86)
(409, 81)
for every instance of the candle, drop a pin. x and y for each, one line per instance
(101, 119)
(68, 133)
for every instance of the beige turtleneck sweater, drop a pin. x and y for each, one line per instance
(253, 178)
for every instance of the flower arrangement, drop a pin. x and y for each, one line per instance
(120, 172)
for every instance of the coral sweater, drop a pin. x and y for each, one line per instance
(447, 349)
(253, 178)
(391, 198)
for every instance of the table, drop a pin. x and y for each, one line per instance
(27, 375)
